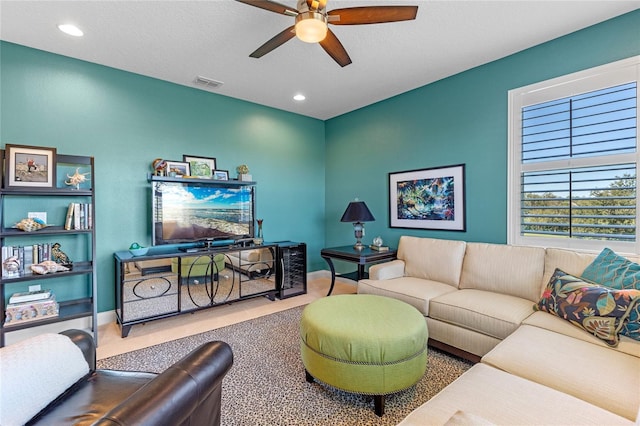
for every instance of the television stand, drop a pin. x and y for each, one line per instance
(194, 280)
(243, 242)
(195, 249)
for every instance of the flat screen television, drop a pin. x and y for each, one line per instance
(192, 211)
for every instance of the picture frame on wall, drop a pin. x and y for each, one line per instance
(29, 166)
(178, 168)
(221, 175)
(431, 198)
(200, 166)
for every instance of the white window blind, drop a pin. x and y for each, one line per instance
(573, 156)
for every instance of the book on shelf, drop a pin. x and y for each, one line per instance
(79, 216)
(69, 219)
(379, 248)
(76, 216)
(29, 296)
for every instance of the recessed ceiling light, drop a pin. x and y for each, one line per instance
(71, 30)
(299, 97)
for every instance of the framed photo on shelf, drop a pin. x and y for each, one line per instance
(221, 175)
(200, 166)
(180, 168)
(29, 166)
(428, 198)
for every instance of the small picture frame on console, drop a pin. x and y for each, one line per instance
(178, 168)
(221, 175)
(29, 166)
(200, 166)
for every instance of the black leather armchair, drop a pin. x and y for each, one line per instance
(187, 393)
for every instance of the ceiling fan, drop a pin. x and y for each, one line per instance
(312, 17)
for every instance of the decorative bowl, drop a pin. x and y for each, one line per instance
(139, 251)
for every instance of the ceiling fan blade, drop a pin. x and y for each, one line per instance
(271, 6)
(372, 15)
(335, 49)
(276, 41)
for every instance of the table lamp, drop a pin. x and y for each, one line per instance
(357, 212)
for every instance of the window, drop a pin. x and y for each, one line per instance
(573, 159)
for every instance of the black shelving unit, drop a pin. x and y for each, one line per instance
(79, 307)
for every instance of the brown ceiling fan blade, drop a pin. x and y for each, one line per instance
(271, 6)
(335, 49)
(276, 41)
(372, 15)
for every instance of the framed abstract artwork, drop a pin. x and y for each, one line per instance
(428, 198)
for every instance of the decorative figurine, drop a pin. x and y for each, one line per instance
(259, 239)
(48, 266)
(30, 224)
(76, 179)
(11, 265)
(59, 256)
(158, 166)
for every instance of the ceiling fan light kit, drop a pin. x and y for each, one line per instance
(311, 27)
(312, 21)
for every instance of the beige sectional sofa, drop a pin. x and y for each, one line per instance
(535, 368)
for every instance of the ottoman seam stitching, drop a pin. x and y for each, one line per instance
(417, 354)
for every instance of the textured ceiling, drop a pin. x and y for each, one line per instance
(178, 40)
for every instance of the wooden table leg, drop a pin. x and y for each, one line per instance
(378, 403)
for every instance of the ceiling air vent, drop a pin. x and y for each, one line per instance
(207, 82)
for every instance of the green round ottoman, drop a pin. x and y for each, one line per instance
(364, 344)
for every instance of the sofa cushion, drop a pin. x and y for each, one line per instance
(570, 261)
(54, 363)
(92, 399)
(553, 323)
(615, 271)
(493, 314)
(467, 340)
(599, 310)
(512, 270)
(415, 291)
(462, 418)
(593, 373)
(503, 398)
(432, 259)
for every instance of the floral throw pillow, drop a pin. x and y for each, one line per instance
(612, 270)
(597, 309)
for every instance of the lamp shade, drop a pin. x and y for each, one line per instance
(357, 211)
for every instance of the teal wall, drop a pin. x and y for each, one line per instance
(307, 170)
(461, 119)
(126, 120)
